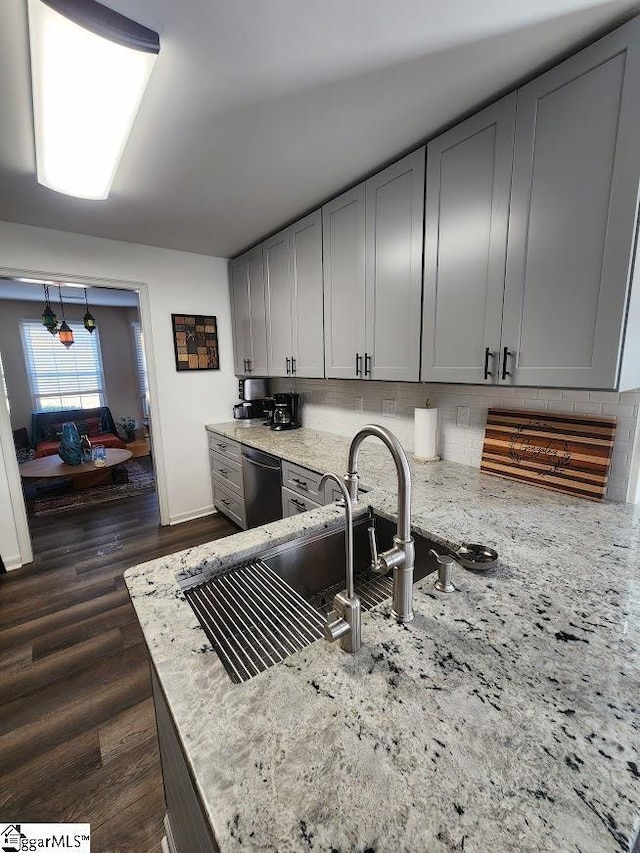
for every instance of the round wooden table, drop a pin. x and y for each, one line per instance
(83, 476)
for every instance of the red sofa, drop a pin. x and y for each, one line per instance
(46, 428)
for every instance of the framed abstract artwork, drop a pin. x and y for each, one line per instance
(195, 340)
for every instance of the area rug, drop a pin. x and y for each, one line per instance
(65, 497)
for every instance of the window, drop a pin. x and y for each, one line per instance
(62, 378)
(141, 367)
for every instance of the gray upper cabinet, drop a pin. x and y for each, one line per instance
(246, 279)
(293, 276)
(343, 238)
(240, 313)
(466, 224)
(393, 270)
(573, 219)
(306, 270)
(279, 298)
(372, 239)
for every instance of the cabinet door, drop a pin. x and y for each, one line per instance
(255, 274)
(573, 217)
(343, 236)
(466, 222)
(394, 227)
(190, 829)
(308, 314)
(279, 298)
(241, 314)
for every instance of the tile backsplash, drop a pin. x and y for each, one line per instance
(343, 406)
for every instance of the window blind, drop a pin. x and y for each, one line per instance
(59, 377)
(141, 366)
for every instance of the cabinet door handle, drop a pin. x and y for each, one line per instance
(224, 472)
(367, 364)
(288, 364)
(487, 355)
(301, 483)
(293, 365)
(358, 364)
(300, 506)
(249, 368)
(226, 503)
(222, 446)
(505, 356)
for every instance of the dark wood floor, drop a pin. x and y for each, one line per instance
(77, 728)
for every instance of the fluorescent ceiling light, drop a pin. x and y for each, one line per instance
(89, 70)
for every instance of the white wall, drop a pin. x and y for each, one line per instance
(343, 406)
(178, 282)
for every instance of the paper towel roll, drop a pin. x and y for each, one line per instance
(426, 428)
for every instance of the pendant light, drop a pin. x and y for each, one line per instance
(64, 332)
(88, 319)
(49, 319)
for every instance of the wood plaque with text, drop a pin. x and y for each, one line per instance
(564, 452)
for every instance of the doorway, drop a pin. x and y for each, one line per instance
(100, 382)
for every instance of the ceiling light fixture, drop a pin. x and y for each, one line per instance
(89, 69)
(64, 332)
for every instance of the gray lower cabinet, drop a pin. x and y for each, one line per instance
(301, 490)
(188, 830)
(303, 481)
(466, 224)
(226, 478)
(573, 221)
(294, 299)
(372, 250)
(246, 283)
(293, 503)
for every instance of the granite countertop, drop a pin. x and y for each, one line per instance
(504, 717)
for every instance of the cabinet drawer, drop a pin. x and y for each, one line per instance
(332, 493)
(294, 504)
(229, 473)
(225, 446)
(306, 483)
(229, 504)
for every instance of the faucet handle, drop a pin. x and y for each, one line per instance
(376, 566)
(335, 627)
(445, 566)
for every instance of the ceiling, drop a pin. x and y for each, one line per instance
(71, 294)
(258, 110)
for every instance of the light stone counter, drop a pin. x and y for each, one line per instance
(505, 717)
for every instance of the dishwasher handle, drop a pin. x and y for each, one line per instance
(260, 464)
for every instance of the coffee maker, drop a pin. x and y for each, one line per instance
(252, 394)
(285, 413)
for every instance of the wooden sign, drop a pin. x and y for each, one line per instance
(566, 453)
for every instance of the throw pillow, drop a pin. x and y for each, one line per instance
(94, 426)
(53, 432)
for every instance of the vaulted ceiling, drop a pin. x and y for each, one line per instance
(258, 110)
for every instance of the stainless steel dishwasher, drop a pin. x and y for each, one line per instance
(262, 477)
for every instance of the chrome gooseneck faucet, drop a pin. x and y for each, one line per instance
(343, 622)
(401, 557)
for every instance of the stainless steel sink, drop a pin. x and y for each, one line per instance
(257, 614)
